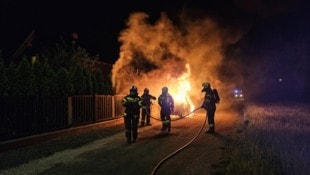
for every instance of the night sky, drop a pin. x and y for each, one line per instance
(98, 23)
(275, 38)
(276, 31)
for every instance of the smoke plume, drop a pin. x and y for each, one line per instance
(162, 53)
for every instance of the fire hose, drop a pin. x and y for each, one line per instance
(190, 112)
(178, 150)
(180, 116)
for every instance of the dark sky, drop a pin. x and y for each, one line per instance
(98, 23)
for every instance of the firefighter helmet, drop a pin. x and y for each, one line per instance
(133, 89)
(146, 90)
(206, 85)
(164, 89)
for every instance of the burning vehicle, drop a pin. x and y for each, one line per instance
(160, 54)
(182, 108)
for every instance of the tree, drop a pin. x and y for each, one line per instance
(108, 88)
(38, 71)
(25, 82)
(12, 78)
(4, 83)
(66, 56)
(89, 82)
(78, 81)
(64, 82)
(98, 82)
(45, 78)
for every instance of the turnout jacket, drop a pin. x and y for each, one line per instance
(166, 103)
(132, 104)
(209, 100)
(146, 100)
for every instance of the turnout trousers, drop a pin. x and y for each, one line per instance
(131, 127)
(145, 116)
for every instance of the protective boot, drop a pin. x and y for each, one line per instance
(128, 136)
(211, 130)
(169, 126)
(166, 127)
(163, 127)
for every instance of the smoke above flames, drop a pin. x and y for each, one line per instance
(162, 53)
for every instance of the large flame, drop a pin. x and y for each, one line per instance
(155, 55)
(181, 94)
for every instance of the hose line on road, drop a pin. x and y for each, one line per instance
(190, 112)
(178, 150)
(180, 116)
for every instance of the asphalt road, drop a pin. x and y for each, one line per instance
(105, 151)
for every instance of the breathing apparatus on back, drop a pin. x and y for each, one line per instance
(206, 87)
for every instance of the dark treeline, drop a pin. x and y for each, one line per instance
(59, 70)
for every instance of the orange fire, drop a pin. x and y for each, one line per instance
(160, 54)
(180, 92)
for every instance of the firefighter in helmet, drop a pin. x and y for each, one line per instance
(166, 103)
(132, 104)
(146, 107)
(209, 104)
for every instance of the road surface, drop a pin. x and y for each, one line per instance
(105, 151)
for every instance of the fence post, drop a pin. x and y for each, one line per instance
(113, 106)
(95, 108)
(69, 111)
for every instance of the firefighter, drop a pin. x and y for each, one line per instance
(132, 104)
(166, 103)
(146, 107)
(209, 104)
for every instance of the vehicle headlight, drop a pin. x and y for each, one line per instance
(238, 94)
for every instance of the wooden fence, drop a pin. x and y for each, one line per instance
(25, 116)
